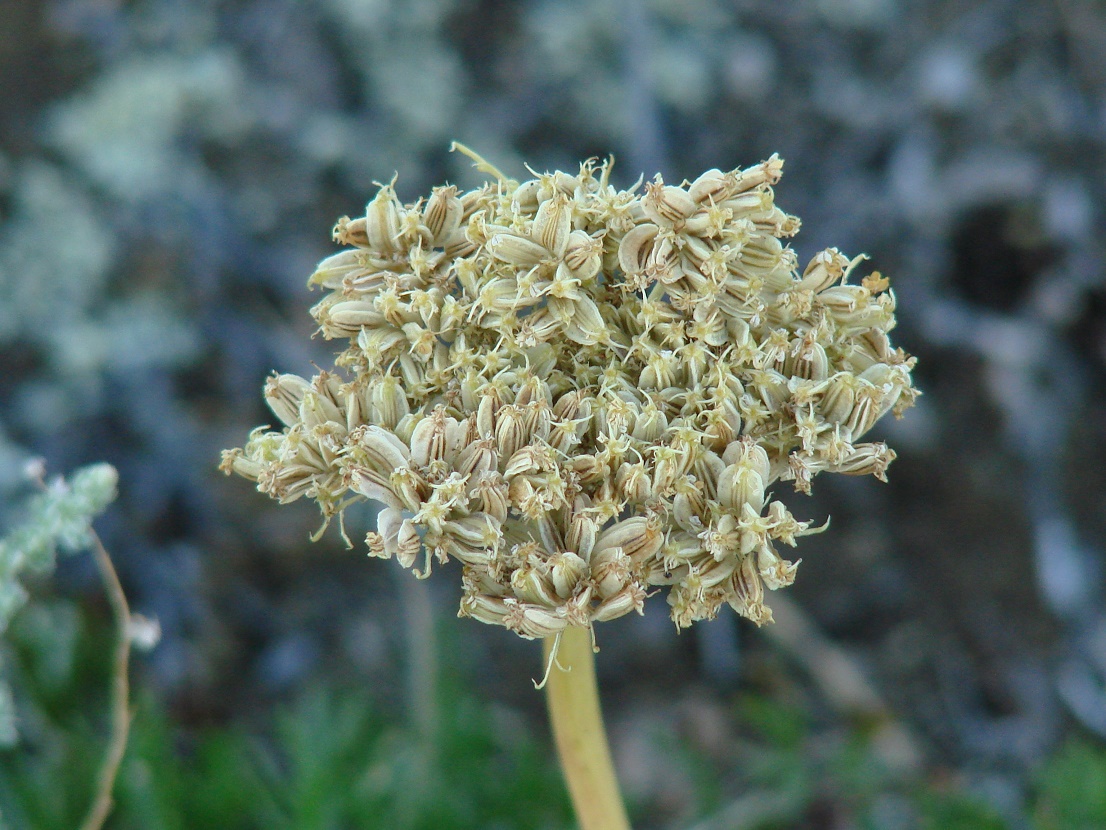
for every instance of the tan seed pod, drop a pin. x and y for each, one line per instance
(771, 387)
(581, 535)
(375, 543)
(713, 185)
(775, 571)
(748, 593)
(583, 255)
(468, 555)
(516, 250)
(537, 421)
(523, 494)
(374, 487)
(767, 172)
(351, 232)
(552, 225)
(476, 529)
(496, 296)
(638, 537)
(523, 461)
(824, 269)
(509, 431)
(706, 469)
(237, 462)
(284, 394)
(381, 449)
(526, 195)
(807, 360)
(549, 532)
(636, 247)
(649, 424)
(383, 220)
(317, 408)
(713, 573)
(723, 424)
(490, 610)
(539, 622)
(577, 608)
(667, 205)
(680, 549)
(389, 403)
(377, 342)
(630, 598)
(841, 300)
(477, 457)
(689, 512)
(388, 524)
(485, 415)
(530, 585)
(839, 398)
(585, 324)
(740, 484)
(633, 483)
(492, 496)
(442, 214)
(346, 319)
(611, 570)
(532, 390)
(867, 459)
(866, 410)
(667, 467)
(408, 544)
(567, 406)
(334, 270)
(436, 438)
(409, 487)
(565, 435)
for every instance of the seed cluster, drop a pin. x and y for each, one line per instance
(580, 392)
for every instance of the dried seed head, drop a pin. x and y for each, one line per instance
(580, 393)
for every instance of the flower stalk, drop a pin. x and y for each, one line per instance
(583, 394)
(574, 714)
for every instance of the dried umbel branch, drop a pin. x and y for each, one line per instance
(581, 393)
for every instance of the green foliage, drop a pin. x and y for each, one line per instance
(956, 811)
(1072, 789)
(60, 672)
(331, 758)
(782, 726)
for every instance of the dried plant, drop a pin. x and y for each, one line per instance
(581, 393)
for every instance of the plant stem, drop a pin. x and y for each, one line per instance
(573, 697)
(120, 708)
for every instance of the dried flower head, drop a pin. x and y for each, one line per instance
(580, 393)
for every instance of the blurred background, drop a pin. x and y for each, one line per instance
(169, 174)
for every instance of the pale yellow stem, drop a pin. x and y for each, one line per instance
(573, 697)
